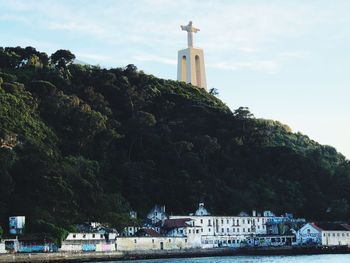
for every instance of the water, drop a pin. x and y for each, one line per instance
(344, 258)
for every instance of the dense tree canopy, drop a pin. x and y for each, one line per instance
(82, 143)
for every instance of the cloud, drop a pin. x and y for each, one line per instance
(252, 33)
(155, 58)
(92, 56)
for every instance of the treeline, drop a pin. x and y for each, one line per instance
(84, 143)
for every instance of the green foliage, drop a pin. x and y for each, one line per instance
(81, 143)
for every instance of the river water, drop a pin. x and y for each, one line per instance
(344, 258)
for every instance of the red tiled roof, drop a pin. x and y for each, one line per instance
(175, 223)
(147, 232)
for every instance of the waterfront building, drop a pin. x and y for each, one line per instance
(271, 240)
(335, 234)
(309, 234)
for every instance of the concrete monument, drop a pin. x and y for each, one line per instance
(190, 64)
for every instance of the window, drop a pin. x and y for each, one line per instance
(135, 241)
(258, 227)
(202, 230)
(243, 229)
(233, 230)
(338, 234)
(197, 231)
(248, 230)
(228, 230)
(324, 234)
(169, 240)
(334, 234)
(93, 235)
(222, 230)
(222, 221)
(152, 240)
(227, 221)
(243, 221)
(237, 222)
(189, 231)
(201, 221)
(181, 231)
(74, 236)
(101, 236)
(329, 234)
(248, 221)
(237, 229)
(343, 235)
(84, 236)
(186, 240)
(209, 229)
(209, 222)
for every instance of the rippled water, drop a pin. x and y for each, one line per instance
(344, 258)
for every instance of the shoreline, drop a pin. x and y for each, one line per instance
(158, 254)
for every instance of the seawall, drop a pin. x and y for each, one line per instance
(153, 254)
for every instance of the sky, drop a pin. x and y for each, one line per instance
(286, 60)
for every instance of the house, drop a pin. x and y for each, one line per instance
(156, 214)
(180, 227)
(202, 211)
(309, 234)
(335, 234)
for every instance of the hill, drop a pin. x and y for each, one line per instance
(80, 142)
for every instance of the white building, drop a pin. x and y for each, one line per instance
(225, 230)
(2, 247)
(335, 235)
(89, 242)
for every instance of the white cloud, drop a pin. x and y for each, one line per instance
(155, 58)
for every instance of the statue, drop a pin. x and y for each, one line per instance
(190, 30)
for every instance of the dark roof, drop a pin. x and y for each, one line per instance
(327, 226)
(147, 232)
(175, 223)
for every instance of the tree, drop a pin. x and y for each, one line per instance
(61, 58)
(214, 92)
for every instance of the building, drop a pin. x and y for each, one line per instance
(225, 231)
(202, 211)
(271, 240)
(17, 224)
(190, 65)
(280, 225)
(334, 234)
(157, 214)
(89, 242)
(2, 247)
(309, 234)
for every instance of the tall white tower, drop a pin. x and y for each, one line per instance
(190, 62)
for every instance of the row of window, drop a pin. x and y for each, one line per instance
(169, 240)
(338, 234)
(234, 221)
(93, 236)
(221, 241)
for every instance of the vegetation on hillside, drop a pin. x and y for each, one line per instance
(84, 143)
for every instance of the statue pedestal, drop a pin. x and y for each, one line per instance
(190, 67)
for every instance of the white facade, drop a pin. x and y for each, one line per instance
(335, 238)
(227, 225)
(156, 243)
(2, 248)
